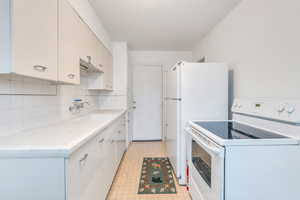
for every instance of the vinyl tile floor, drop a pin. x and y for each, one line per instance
(126, 182)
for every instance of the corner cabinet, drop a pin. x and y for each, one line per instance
(87, 174)
(28, 38)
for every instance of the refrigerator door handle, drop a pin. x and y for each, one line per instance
(173, 99)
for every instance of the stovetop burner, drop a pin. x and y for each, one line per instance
(234, 130)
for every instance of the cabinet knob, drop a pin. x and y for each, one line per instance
(71, 76)
(40, 68)
(84, 158)
(101, 141)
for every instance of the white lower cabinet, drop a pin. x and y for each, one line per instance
(91, 169)
(120, 141)
(32, 179)
(86, 175)
(80, 172)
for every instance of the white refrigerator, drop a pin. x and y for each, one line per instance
(195, 91)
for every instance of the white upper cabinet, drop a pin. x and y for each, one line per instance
(108, 70)
(29, 38)
(71, 38)
(46, 39)
(4, 36)
(101, 59)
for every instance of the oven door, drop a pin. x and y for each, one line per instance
(206, 164)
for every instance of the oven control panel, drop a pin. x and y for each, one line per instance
(282, 110)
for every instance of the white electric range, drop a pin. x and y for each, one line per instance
(254, 156)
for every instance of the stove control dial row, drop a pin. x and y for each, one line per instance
(286, 107)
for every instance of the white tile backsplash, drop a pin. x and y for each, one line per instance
(113, 101)
(18, 85)
(20, 109)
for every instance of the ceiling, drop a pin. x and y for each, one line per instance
(161, 24)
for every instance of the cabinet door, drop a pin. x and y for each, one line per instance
(87, 51)
(121, 140)
(99, 54)
(71, 31)
(108, 69)
(32, 179)
(119, 146)
(102, 177)
(123, 136)
(80, 169)
(109, 159)
(34, 38)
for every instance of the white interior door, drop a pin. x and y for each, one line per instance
(147, 99)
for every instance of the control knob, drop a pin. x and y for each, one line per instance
(290, 109)
(280, 108)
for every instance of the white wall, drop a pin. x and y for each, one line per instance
(88, 14)
(160, 58)
(260, 40)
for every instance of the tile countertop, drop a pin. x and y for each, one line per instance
(59, 139)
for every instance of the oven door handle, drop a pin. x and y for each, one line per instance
(217, 151)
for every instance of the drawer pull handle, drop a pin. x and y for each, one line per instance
(71, 76)
(101, 141)
(40, 68)
(84, 157)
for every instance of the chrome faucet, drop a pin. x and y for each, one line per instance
(81, 104)
(77, 105)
